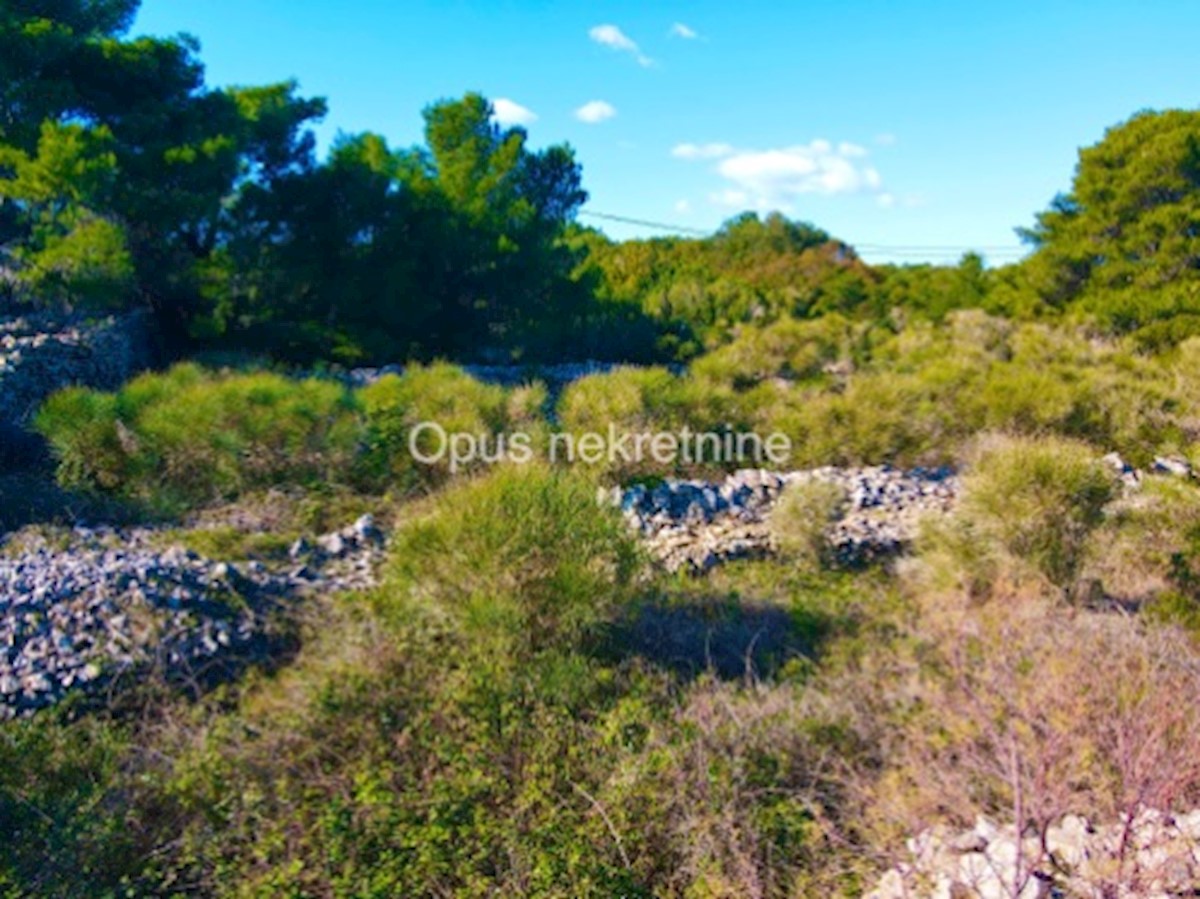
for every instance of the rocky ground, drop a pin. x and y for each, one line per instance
(83, 608)
(1152, 856)
(695, 525)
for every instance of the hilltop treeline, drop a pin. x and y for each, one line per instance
(126, 181)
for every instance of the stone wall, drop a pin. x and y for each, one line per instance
(41, 353)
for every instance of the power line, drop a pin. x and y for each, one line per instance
(893, 249)
(645, 224)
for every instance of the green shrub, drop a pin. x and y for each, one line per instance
(632, 398)
(921, 395)
(1134, 555)
(1038, 500)
(1179, 604)
(525, 555)
(790, 349)
(801, 518)
(81, 427)
(54, 778)
(189, 436)
(441, 394)
(646, 401)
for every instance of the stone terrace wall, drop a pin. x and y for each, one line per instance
(41, 354)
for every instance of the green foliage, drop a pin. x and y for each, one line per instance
(41, 47)
(752, 270)
(1180, 603)
(801, 518)
(934, 291)
(1038, 500)
(51, 777)
(472, 727)
(189, 437)
(128, 182)
(852, 394)
(439, 394)
(72, 250)
(383, 254)
(119, 169)
(646, 401)
(843, 393)
(788, 349)
(500, 716)
(457, 734)
(547, 564)
(1122, 243)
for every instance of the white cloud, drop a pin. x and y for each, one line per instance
(886, 139)
(683, 207)
(507, 112)
(681, 30)
(701, 151)
(774, 178)
(613, 37)
(595, 111)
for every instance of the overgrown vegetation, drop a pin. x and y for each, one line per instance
(525, 705)
(191, 436)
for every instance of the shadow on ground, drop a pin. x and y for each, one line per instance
(718, 633)
(30, 496)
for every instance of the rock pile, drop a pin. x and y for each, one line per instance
(695, 525)
(1152, 856)
(79, 615)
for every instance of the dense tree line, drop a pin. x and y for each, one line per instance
(126, 181)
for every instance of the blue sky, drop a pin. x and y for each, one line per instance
(911, 130)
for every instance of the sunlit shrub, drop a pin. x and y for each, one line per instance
(188, 436)
(801, 519)
(645, 401)
(439, 394)
(524, 555)
(789, 349)
(1038, 500)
